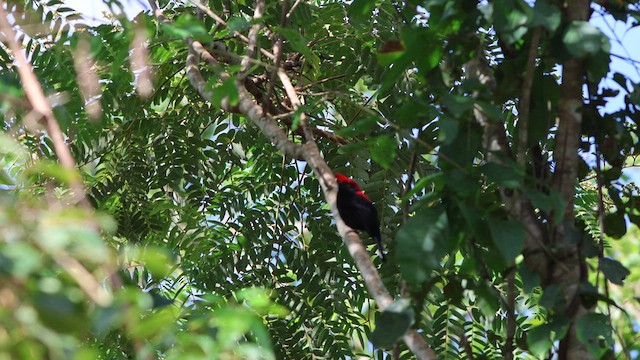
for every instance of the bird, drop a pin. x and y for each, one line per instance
(357, 210)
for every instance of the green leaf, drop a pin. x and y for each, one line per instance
(422, 242)
(363, 125)
(448, 129)
(159, 299)
(86, 354)
(383, 150)
(460, 182)
(187, 25)
(435, 179)
(156, 260)
(361, 7)
(598, 65)
(617, 77)
(155, 323)
(615, 225)
(10, 86)
(394, 73)
(425, 57)
(487, 298)
(408, 115)
(59, 312)
(20, 260)
(530, 279)
(510, 19)
(508, 236)
(474, 220)
(546, 15)
(457, 104)
(454, 291)
(238, 23)
(594, 330)
(503, 175)
(551, 203)
(459, 154)
(540, 339)
(552, 297)
(256, 298)
(5, 178)
(392, 323)
(589, 295)
(582, 39)
(53, 170)
(390, 52)
(226, 91)
(299, 43)
(614, 270)
(493, 112)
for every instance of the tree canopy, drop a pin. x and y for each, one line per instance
(167, 185)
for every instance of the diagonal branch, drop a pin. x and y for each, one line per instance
(277, 50)
(253, 37)
(523, 137)
(295, 102)
(495, 143)
(39, 102)
(220, 21)
(354, 245)
(249, 107)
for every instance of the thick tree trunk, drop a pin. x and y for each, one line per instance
(569, 268)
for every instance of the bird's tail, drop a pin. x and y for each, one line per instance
(380, 248)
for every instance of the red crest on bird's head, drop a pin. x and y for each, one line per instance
(346, 180)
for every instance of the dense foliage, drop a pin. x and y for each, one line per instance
(479, 129)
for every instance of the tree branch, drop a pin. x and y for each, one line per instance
(277, 51)
(523, 137)
(495, 143)
(220, 21)
(39, 102)
(525, 98)
(249, 107)
(565, 155)
(258, 11)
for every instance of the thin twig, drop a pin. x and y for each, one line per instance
(277, 51)
(407, 184)
(85, 280)
(303, 88)
(311, 154)
(464, 340)
(220, 21)
(523, 135)
(39, 102)
(258, 12)
(293, 8)
(511, 315)
(599, 184)
(356, 248)
(525, 98)
(295, 102)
